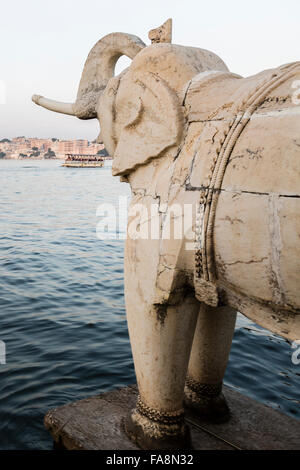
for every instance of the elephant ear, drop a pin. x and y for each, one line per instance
(153, 123)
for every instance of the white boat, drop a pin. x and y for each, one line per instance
(75, 160)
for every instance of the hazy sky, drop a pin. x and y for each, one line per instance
(45, 43)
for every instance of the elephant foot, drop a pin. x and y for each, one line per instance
(152, 429)
(207, 401)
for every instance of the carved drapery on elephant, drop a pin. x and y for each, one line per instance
(183, 130)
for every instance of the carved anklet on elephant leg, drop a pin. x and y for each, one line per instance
(206, 400)
(153, 429)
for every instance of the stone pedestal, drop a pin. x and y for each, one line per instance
(94, 424)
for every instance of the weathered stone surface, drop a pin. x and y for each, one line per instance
(94, 424)
(187, 133)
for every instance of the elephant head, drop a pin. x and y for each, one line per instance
(140, 110)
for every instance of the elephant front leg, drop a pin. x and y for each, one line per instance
(161, 339)
(208, 361)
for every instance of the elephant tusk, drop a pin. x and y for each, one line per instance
(56, 106)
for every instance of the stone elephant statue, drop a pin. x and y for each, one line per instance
(190, 137)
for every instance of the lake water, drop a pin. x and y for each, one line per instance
(62, 312)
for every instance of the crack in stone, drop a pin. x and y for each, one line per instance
(232, 220)
(189, 187)
(246, 262)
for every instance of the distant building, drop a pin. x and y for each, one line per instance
(32, 147)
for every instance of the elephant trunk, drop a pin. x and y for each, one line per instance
(98, 69)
